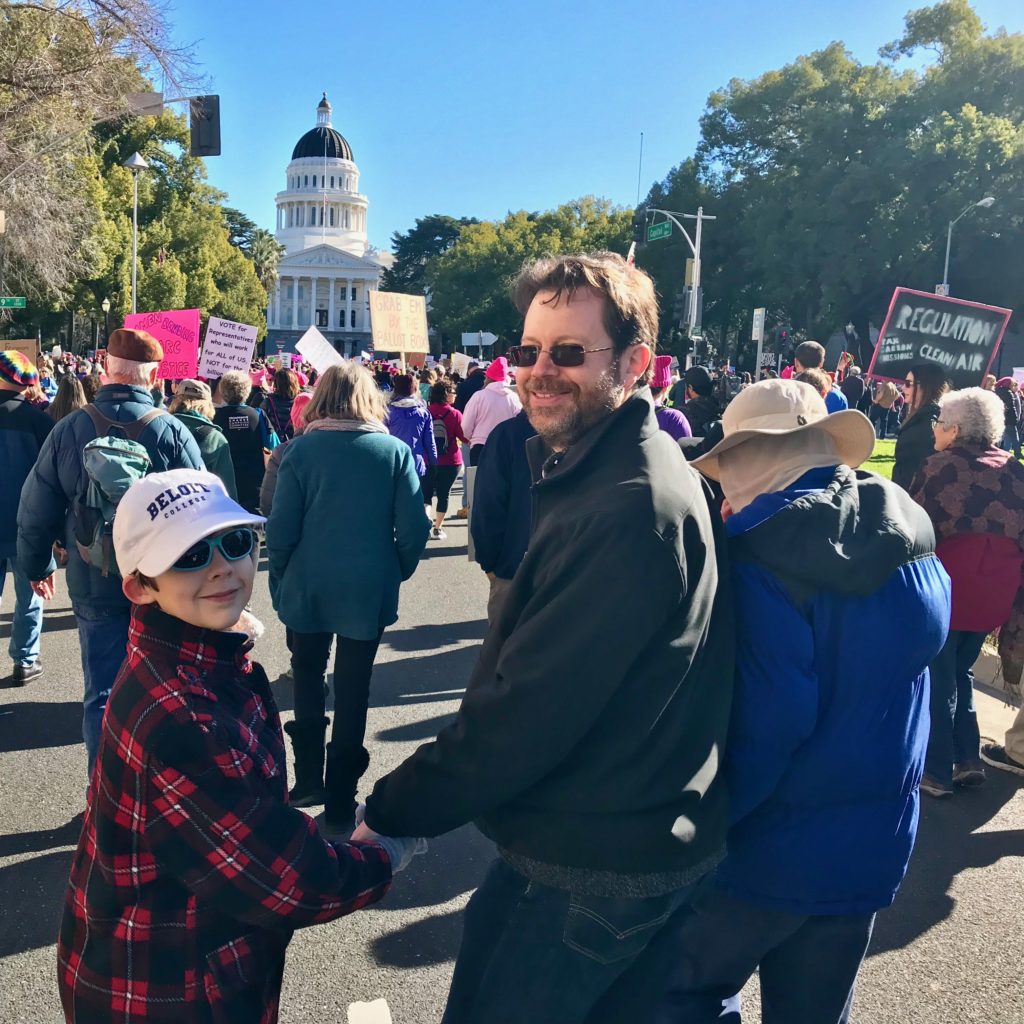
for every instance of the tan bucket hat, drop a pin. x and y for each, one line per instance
(776, 407)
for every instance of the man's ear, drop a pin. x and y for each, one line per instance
(638, 358)
(153, 375)
(136, 591)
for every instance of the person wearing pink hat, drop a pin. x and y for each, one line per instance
(496, 402)
(672, 421)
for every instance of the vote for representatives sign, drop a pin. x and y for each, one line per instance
(960, 336)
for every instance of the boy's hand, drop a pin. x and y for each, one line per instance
(44, 588)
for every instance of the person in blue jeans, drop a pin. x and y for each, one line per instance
(825, 753)
(55, 483)
(23, 429)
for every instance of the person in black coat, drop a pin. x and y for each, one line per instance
(476, 380)
(923, 387)
(277, 406)
(248, 435)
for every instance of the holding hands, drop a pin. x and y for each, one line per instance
(400, 850)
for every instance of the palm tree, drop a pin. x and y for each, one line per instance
(265, 251)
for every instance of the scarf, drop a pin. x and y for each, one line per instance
(354, 426)
(767, 463)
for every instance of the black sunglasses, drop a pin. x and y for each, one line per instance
(233, 545)
(564, 354)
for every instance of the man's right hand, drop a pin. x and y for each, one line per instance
(44, 588)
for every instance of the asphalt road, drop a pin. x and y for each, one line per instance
(950, 950)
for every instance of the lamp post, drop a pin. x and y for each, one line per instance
(135, 163)
(105, 306)
(985, 204)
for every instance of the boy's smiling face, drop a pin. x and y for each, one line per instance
(210, 598)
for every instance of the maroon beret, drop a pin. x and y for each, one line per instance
(138, 346)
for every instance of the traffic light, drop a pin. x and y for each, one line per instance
(640, 227)
(204, 123)
(680, 307)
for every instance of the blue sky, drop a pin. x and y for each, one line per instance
(475, 109)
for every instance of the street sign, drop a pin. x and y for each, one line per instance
(12, 301)
(942, 289)
(758, 332)
(660, 230)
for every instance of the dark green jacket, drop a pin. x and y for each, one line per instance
(213, 446)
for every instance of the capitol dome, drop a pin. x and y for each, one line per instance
(323, 140)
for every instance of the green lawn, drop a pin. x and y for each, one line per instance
(883, 458)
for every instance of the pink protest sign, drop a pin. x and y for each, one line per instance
(178, 331)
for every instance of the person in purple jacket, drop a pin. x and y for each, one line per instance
(672, 421)
(409, 421)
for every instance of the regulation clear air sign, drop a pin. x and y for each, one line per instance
(962, 337)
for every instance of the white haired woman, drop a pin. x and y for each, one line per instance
(974, 493)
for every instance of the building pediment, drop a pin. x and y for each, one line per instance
(327, 256)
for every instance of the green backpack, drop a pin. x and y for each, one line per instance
(111, 465)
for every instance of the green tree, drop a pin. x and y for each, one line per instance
(414, 249)
(266, 252)
(241, 229)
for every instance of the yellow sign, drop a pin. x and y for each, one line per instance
(399, 322)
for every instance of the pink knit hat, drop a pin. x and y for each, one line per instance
(302, 399)
(662, 373)
(498, 370)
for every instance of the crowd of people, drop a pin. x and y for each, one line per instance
(683, 780)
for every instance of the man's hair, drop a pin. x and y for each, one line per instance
(127, 371)
(346, 391)
(235, 387)
(818, 379)
(630, 304)
(810, 355)
(403, 385)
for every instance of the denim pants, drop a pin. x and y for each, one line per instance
(353, 667)
(531, 954)
(954, 736)
(807, 965)
(28, 610)
(103, 635)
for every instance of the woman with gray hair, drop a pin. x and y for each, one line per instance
(974, 493)
(249, 436)
(193, 405)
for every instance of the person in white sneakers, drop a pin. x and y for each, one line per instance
(493, 404)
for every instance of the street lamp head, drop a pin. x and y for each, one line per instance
(986, 202)
(135, 163)
(105, 305)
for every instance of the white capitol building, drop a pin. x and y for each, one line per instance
(325, 276)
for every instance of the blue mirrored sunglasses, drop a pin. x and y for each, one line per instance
(233, 545)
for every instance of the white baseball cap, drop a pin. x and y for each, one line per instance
(164, 514)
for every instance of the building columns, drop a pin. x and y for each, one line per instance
(295, 303)
(348, 304)
(331, 325)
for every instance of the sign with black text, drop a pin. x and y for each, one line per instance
(962, 337)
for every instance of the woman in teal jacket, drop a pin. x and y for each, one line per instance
(347, 527)
(193, 405)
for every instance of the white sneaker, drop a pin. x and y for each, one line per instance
(436, 534)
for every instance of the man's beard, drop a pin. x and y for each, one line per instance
(563, 428)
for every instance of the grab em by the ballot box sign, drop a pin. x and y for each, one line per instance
(962, 337)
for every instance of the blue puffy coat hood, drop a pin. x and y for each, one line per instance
(841, 606)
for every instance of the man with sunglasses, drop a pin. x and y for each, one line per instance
(589, 739)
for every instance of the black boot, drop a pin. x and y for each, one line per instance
(308, 746)
(344, 769)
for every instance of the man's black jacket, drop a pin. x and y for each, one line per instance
(592, 729)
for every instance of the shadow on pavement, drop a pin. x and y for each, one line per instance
(32, 895)
(424, 729)
(433, 940)
(947, 844)
(34, 725)
(425, 638)
(42, 839)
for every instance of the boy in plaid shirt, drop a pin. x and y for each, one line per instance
(192, 871)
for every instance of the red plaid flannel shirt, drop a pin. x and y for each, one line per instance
(192, 870)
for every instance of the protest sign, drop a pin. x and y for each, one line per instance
(28, 347)
(399, 322)
(177, 330)
(317, 350)
(962, 337)
(460, 363)
(228, 346)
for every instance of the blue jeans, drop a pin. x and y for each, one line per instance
(807, 965)
(531, 954)
(28, 610)
(103, 636)
(954, 735)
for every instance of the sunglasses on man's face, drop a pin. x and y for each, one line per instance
(564, 354)
(233, 545)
